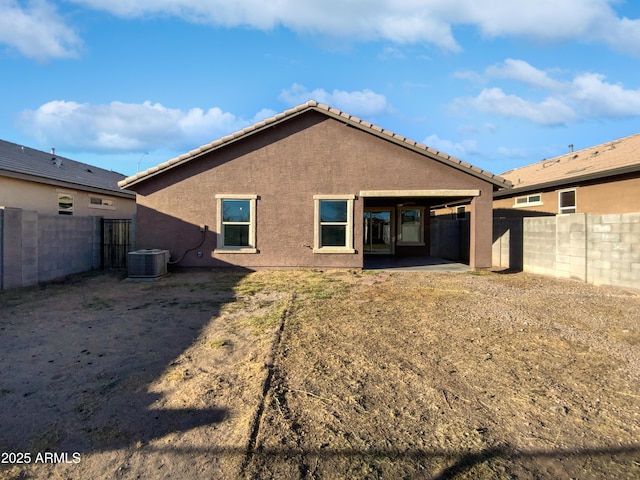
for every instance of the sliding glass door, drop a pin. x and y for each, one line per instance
(377, 231)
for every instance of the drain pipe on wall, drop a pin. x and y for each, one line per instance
(203, 229)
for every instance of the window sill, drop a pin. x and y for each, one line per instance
(525, 205)
(102, 207)
(333, 250)
(235, 250)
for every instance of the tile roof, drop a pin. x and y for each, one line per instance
(599, 161)
(331, 112)
(45, 167)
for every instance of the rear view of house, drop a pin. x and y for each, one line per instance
(310, 187)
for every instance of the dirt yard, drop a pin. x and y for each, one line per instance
(319, 375)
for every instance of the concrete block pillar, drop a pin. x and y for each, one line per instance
(481, 231)
(18, 247)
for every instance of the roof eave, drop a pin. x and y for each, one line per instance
(208, 148)
(422, 149)
(336, 114)
(567, 181)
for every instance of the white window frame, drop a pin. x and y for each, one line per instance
(220, 246)
(317, 225)
(528, 202)
(105, 203)
(399, 239)
(561, 209)
(69, 211)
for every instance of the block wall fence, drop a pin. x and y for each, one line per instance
(598, 249)
(37, 248)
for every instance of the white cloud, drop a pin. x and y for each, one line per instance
(398, 21)
(600, 98)
(541, 19)
(522, 71)
(469, 75)
(138, 127)
(587, 95)
(622, 35)
(36, 30)
(405, 21)
(550, 111)
(364, 103)
(461, 149)
(121, 127)
(491, 127)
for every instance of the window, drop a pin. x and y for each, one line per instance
(99, 202)
(236, 223)
(528, 201)
(333, 231)
(65, 203)
(411, 226)
(567, 201)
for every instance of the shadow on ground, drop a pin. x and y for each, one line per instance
(77, 377)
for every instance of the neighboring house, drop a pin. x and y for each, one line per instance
(310, 187)
(50, 184)
(59, 217)
(599, 180)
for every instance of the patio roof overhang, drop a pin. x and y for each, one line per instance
(435, 193)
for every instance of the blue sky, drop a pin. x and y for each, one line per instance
(129, 84)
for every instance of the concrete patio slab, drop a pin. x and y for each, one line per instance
(417, 264)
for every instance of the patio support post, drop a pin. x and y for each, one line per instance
(480, 231)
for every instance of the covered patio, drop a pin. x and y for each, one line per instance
(397, 233)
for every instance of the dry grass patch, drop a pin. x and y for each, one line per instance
(322, 374)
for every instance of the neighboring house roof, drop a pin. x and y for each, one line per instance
(599, 162)
(330, 112)
(27, 163)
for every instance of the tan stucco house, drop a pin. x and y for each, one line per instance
(53, 185)
(310, 187)
(602, 179)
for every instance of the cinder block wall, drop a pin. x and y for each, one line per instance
(67, 245)
(507, 242)
(539, 245)
(599, 249)
(36, 248)
(613, 250)
(571, 248)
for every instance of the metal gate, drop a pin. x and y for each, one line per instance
(116, 242)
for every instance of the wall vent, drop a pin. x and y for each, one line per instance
(147, 263)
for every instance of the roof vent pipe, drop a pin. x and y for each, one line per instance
(571, 147)
(53, 151)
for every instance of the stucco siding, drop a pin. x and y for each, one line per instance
(285, 167)
(602, 197)
(43, 198)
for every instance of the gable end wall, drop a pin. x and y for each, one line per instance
(285, 166)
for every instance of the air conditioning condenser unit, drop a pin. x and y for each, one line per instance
(147, 263)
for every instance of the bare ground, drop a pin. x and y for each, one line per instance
(305, 374)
